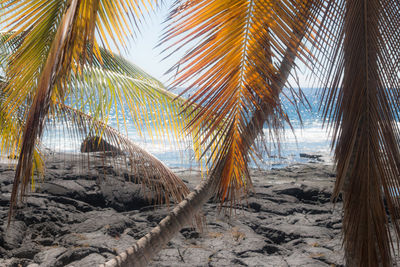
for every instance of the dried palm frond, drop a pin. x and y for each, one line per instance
(361, 105)
(146, 168)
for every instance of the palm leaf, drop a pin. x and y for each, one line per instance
(56, 36)
(113, 82)
(239, 45)
(152, 173)
(360, 103)
(119, 82)
(35, 117)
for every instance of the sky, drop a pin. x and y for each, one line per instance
(143, 51)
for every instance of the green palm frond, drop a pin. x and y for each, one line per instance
(28, 62)
(57, 34)
(110, 82)
(113, 82)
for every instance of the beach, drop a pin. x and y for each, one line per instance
(83, 214)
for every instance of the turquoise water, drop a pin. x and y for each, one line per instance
(309, 139)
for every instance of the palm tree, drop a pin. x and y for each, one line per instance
(106, 81)
(353, 47)
(239, 93)
(357, 52)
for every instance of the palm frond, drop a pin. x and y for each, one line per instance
(152, 173)
(41, 101)
(56, 36)
(113, 82)
(234, 65)
(361, 104)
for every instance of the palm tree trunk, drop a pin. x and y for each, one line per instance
(41, 103)
(145, 248)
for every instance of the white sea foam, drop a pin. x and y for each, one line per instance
(310, 138)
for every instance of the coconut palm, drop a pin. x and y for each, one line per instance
(239, 87)
(356, 58)
(87, 82)
(244, 54)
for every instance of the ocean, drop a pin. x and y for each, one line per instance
(306, 139)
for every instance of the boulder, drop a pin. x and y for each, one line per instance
(98, 144)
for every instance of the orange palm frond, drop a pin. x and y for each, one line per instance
(234, 64)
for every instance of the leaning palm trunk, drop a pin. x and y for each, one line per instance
(145, 248)
(141, 253)
(38, 111)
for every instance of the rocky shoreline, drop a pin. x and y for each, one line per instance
(83, 215)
